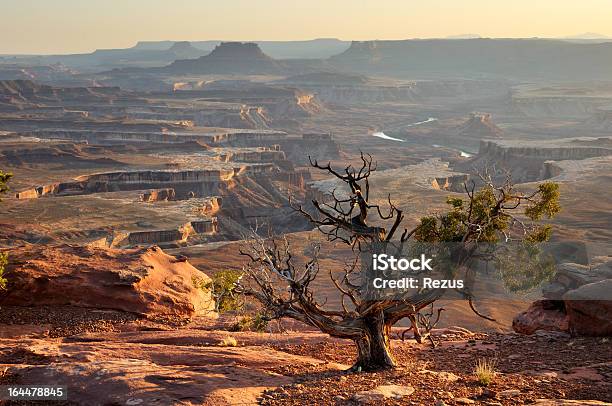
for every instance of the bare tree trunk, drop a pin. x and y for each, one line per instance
(374, 347)
(418, 336)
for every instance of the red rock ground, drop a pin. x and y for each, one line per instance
(118, 358)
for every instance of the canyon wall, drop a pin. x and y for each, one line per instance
(181, 234)
(548, 152)
(532, 161)
(188, 183)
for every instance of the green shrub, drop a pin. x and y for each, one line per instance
(3, 262)
(4, 179)
(223, 290)
(249, 323)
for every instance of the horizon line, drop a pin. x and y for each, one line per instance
(603, 37)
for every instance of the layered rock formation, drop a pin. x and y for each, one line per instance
(245, 117)
(108, 113)
(229, 57)
(559, 150)
(180, 234)
(194, 183)
(575, 101)
(20, 94)
(295, 148)
(21, 70)
(529, 161)
(261, 154)
(144, 281)
(19, 154)
(264, 104)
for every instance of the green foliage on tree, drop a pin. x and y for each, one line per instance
(524, 267)
(488, 216)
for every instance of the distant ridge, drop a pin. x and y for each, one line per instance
(306, 49)
(111, 58)
(519, 59)
(464, 36)
(588, 35)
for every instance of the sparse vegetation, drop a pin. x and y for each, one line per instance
(223, 287)
(229, 342)
(4, 178)
(485, 371)
(250, 323)
(3, 262)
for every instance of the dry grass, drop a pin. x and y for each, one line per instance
(485, 371)
(229, 342)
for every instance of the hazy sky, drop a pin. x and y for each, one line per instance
(60, 26)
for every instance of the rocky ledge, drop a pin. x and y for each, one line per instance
(144, 281)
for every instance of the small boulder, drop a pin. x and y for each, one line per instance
(442, 375)
(589, 309)
(541, 315)
(508, 393)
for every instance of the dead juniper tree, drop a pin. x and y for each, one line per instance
(284, 288)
